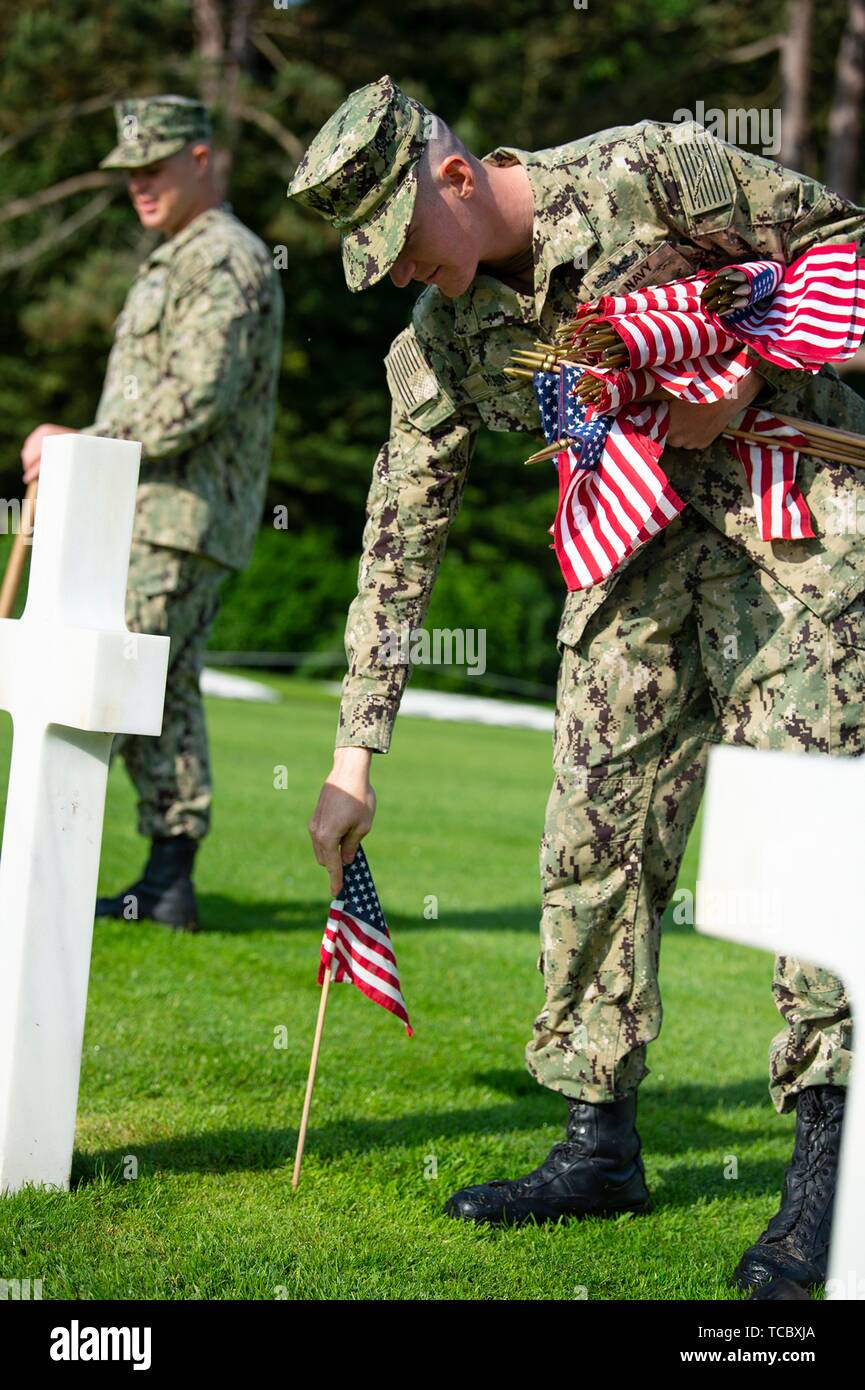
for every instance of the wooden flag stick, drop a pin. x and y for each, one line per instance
(18, 553)
(829, 432)
(832, 455)
(310, 1080)
(836, 455)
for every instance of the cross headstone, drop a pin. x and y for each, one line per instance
(782, 866)
(71, 675)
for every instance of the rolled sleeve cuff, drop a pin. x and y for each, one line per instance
(106, 430)
(366, 721)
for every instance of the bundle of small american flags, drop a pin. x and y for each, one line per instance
(613, 493)
(356, 936)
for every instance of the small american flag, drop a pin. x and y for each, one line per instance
(613, 494)
(781, 510)
(662, 333)
(763, 278)
(563, 416)
(815, 315)
(357, 936)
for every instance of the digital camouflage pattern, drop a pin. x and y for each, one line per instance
(152, 128)
(174, 594)
(192, 375)
(696, 645)
(360, 172)
(612, 212)
(628, 207)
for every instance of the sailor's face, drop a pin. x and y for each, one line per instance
(163, 193)
(441, 246)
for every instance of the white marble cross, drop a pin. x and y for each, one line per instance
(782, 866)
(72, 676)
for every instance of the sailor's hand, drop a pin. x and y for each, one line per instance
(31, 454)
(344, 812)
(697, 426)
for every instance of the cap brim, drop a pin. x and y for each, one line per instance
(369, 251)
(133, 157)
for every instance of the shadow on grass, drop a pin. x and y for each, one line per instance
(681, 1122)
(218, 913)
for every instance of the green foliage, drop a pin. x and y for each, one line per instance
(292, 597)
(515, 611)
(295, 593)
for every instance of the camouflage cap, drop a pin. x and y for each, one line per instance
(360, 172)
(152, 128)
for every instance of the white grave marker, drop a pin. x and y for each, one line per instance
(71, 675)
(782, 866)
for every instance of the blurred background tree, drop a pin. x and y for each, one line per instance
(512, 72)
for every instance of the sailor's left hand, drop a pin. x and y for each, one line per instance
(31, 454)
(697, 426)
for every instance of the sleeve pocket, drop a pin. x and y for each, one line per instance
(413, 384)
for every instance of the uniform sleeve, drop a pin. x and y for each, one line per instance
(210, 326)
(416, 491)
(745, 206)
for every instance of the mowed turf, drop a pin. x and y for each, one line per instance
(182, 1081)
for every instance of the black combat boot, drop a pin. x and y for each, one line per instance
(164, 893)
(597, 1169)
(795, 1244)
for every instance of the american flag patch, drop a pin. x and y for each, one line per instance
(409, 375)
(704, 177)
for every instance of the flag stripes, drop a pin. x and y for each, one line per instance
(780, 508)
(613, 493)
(357, 939)
(816, 315)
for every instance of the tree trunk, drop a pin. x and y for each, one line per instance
(845, 116)
(210, 48)
(221, 67)
(795, 77)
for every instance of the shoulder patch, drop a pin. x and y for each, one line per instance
(703, 173)
(414, 384)
(410, 376)
(201, 255)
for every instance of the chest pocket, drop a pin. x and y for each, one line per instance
(496, 323)
(503, 402)
(145, 309)
(631, 267)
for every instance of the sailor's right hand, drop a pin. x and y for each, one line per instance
(344, 812)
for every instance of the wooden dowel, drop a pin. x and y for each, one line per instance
(827, 431)
(834, 457)
(310, 1080)
(18, 553)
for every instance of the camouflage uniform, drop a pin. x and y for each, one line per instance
(192, 375)
(706, 634)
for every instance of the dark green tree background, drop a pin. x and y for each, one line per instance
(511, 72)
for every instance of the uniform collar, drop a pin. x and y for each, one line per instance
(555, 239)
(166, 250)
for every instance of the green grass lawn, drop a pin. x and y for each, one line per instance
(181, 1074)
